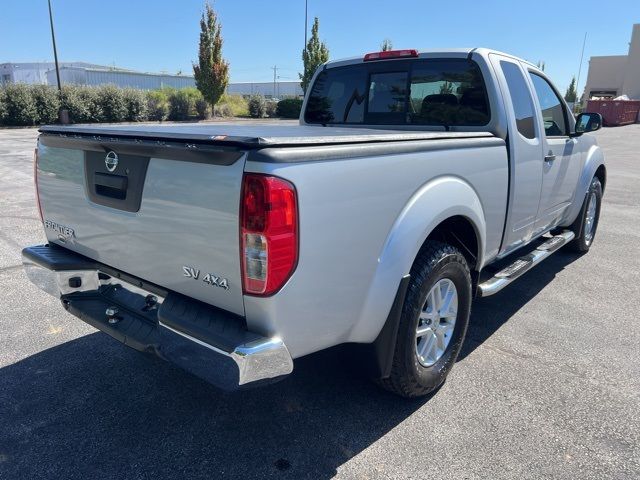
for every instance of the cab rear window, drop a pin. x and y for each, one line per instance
(438, 92)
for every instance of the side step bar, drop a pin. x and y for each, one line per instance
(523, 264)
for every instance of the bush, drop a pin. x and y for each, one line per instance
(136, 103)
(289, 108)
(112, 101)
(75, 104)
(270, 110)
(47, 100)
(180, 105)
(223, 110)
(3, 107)
(158, 104)
(202, 107)
(257, 106)
(232, 106)
(20, 105)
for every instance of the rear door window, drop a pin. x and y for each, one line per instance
(339, 97)
(520, 98)
(449, 92)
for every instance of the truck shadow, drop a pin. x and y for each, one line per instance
(489, 314)
(90, 408)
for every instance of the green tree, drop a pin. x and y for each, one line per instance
(212, 71)
(386, 45)
(315, 54)
(571, 93)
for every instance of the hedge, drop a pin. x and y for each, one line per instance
(137, 105)
(47, 102)
(158, 104)
(20, 105)
(3, 107)
(289, 108)
(24, 105)
(232, 106)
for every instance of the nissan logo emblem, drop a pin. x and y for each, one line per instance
(111, 161)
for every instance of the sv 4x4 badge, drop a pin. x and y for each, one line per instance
(209, 278)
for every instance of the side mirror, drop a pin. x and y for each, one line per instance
(587, 122)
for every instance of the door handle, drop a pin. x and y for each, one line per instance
(549, 158)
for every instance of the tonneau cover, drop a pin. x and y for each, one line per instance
(252, 136)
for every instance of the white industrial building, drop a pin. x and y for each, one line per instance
(93, 76)
(615, 75)
(33, 72)
(81, 73)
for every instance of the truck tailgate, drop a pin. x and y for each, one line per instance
(166, 213)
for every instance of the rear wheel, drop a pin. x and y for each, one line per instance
(434, 321)
(587, 223)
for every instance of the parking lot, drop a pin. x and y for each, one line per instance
(547, 386)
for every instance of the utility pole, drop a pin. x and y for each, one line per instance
(55, 51)
(306, 5)
(275, 73)
(580, 70)
(63, 115)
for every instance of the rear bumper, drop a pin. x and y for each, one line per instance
(211, 343)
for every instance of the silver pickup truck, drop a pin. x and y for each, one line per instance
(232, 250)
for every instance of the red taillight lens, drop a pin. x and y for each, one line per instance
(390, 54)
(35, 182)
(269, 233)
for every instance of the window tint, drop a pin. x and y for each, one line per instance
(387, 92)
(520, 97)
(551, 106)
(338, 97)
(447, 92)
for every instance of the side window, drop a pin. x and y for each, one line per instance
(520, 97)
(338, 96)
(555, 123)
(448, 92)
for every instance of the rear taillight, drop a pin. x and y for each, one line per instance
(269, 233)
(35, 182)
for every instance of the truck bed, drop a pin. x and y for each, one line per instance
(253, 136)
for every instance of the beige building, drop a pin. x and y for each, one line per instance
(616, 75)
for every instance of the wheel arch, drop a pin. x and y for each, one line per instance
(445, 209)
(601, 173)
(594, 166)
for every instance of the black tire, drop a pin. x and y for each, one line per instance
(409, 377)
(583, 241)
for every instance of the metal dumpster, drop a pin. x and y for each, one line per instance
(615, 112)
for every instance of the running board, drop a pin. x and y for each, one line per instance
(523, 264)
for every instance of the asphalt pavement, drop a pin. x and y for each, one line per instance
(548, 384)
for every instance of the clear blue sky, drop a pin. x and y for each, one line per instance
(162, 35)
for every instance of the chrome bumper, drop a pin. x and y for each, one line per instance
(233, 359)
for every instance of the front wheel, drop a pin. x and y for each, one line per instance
(433, 323)
(587, 224)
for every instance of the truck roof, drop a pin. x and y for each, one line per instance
(432, 53)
